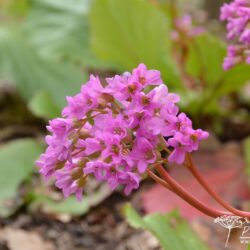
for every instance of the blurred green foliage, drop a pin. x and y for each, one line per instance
(171, 230)
(70, 205)
(59, 30)
(138, 33)
(17, 165)
(32, 74)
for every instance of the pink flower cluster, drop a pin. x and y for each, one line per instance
(237, 15)
(115, 130)
(183, 28)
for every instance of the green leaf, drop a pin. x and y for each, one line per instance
(32, 74)
(59, 30)
(231, 81)
(42, 105)
(172, 237)
(204, 61)
(234, 79)
(17, 163)
(205, 58)
(71, 205)
(193, 61)
(128, 32)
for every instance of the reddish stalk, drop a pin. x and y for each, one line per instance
(193, 169)
(159, 180)
(166, 185)
(180, 191)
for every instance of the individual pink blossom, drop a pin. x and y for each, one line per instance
(85, 101)
(71, 181)
(60, 127)
(100, 169)
(143, 153)
(183, 123)
(130, 180)
(146, 77)
(123, 87)
(93, 145)
(113, 149)
(187, 141)
(115, 125)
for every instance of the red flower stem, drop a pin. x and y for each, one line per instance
(159, 180)
(166, 185)
(180, 191)
(195, 172)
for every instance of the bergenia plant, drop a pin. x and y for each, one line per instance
(237, 15)
(119, 131)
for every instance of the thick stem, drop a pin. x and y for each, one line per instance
(193, 169)
(178, 189)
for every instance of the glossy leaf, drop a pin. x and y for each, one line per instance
(17, 163)
(43, 105)
(234, 79)
(172, 237)
(70, 205)
(138, 33)
(205, 58)
(193, 61)
(59, 29)
(31, 74)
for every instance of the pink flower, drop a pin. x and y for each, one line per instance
(85, 101)
(183, 27)
(100, 169)
(181, 145)
(245, 36)
(183, 122)
(235, 55)
(60, 127)
(115, 131)
(146, 77)
(123, 87)
(130, 180)
(79, 105)
(185, 142)
(115, 125)
(71, 181)
(159, 126)
(113, 149)
(47, 163)
(113, 179)
(237, 15)
(143, 153)
(196, 136)
(93, 145)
